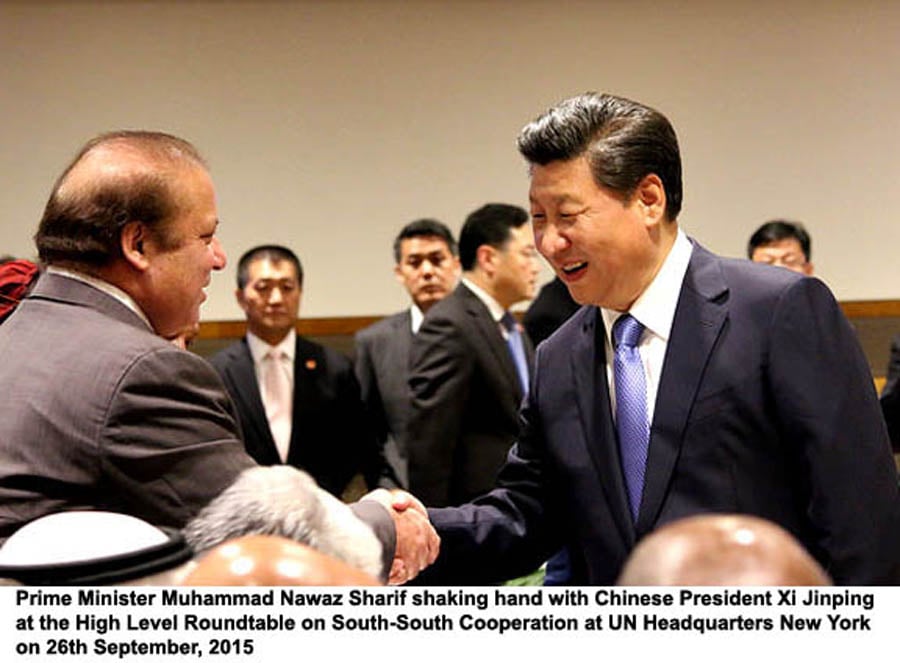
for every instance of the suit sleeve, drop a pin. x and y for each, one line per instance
(170, 442)
(510, 531)
(826, 407)
(357, 425)
(890, 395)
(364, 369)
(441, 369)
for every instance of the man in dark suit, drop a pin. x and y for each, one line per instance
(465, 380)
(101, 410)
(727, 386)
(890, 395)
(552, 307)
(320, 424)
(427, 264)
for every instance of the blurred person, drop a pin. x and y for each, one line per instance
(784, 244)
(890, 395)
(266, 561)
(721, 550)
(427, 265)
(106, 548)
(16, 279)
(471, 362)
(297, 401)
(686, 384)
(102, 411)
(552, 307)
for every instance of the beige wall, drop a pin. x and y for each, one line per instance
(328, 124)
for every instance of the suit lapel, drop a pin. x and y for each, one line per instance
(307, 366)
(490, 330)
(699, 318)
(592, 394)
(243, 373)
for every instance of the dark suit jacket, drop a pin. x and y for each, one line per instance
(330, 437)
(552, 307)
(100, 413)
(382, 355)
(465, 400)
(890, 395)
(765, 406)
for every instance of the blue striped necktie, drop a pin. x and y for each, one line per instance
(631, 408)
(516, 348)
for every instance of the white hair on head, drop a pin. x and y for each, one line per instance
(284, 501)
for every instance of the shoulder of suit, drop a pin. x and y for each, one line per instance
(384, 327)
(229, 354)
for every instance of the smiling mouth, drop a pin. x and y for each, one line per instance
(570, 270)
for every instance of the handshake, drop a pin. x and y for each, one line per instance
(417, 542)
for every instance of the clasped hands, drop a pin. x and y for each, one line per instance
(417, 542)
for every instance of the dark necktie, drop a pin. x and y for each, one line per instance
(631, 407)
(516, 348)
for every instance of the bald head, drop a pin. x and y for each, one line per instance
(259, 560)
(116, 178)
(721, 550)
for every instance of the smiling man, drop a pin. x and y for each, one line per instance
(102, 411)
(689, 384)
(298, 402)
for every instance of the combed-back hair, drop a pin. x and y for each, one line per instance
(424, 228)
(83, 219)
(490, 224)
(624, 141)
(272, 252)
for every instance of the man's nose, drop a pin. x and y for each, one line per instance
(219, 258)
(551, 242)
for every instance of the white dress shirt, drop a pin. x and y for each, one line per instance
(655, 309)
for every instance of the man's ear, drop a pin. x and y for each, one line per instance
(651, 196)
(241, 300)
(485, 257)
(134, 240)
(398, 274)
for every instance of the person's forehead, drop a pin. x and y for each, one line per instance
(520, 235)
(266, 268)
(785, 245)
(422, 244)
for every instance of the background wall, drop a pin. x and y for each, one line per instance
(328, 124)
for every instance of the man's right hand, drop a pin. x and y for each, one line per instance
(417, 542)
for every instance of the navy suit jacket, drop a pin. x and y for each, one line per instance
(330, 436)
(766, 406)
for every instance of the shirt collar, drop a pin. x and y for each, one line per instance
(493, 305)
(104, 286)
(655, 307)
(259, 348)
(416, 317)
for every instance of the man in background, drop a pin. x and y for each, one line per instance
(471, 362)
(427, 265)
(552, 307)
(784, 244)
(298, 402)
